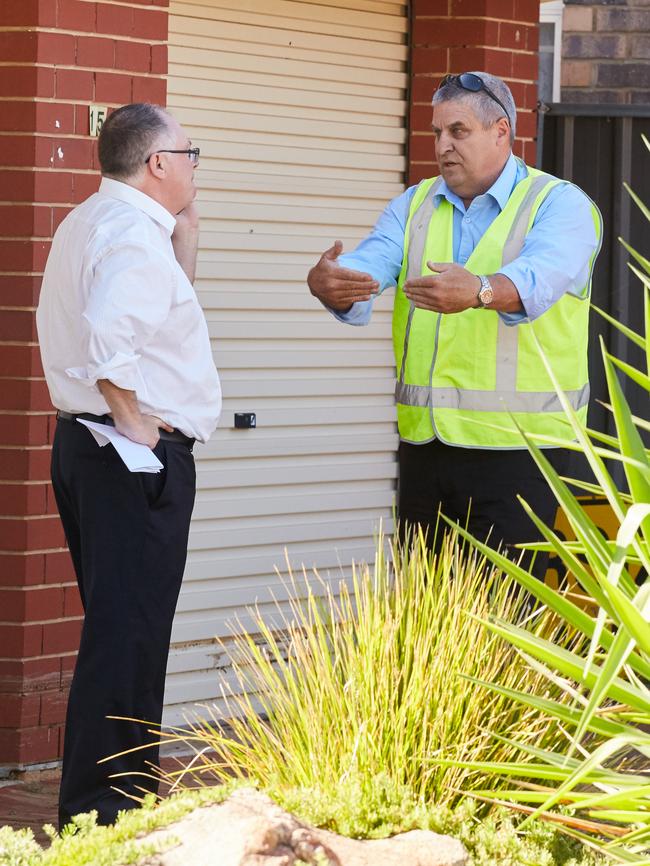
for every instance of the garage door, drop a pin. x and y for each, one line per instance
(299, 109)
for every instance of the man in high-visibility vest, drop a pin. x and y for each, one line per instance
(492, 260)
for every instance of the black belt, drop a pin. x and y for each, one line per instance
(174, 436)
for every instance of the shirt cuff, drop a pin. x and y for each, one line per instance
(121, 370)
(358, 314)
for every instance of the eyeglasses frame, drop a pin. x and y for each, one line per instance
(193, 154)
(457, 79)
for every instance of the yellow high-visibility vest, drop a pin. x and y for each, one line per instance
(464, 377)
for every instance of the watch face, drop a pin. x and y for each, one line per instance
(486, 295)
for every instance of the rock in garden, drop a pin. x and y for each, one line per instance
(249, 829)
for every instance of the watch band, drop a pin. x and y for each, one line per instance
(486, 292)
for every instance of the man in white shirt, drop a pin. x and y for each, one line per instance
(124, 342)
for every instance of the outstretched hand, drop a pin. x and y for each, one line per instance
(338, 287)
(451, 289)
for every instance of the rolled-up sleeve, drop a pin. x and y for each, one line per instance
(557, 255)
(380, 255)
(130, 297)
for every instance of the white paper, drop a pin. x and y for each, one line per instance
(136, 457)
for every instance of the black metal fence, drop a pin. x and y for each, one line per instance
(599, 147)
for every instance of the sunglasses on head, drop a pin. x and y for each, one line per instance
(472, 83)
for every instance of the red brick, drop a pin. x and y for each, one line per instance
(150, 90)
(529, 152)
(27, 81)
(53, 186)
(54, 118)
(23, 499)
(23, 14)
(113, 88)
(32, 533)
(68, 663)
(532, 38)
(420, 171)
(525, 66)
(19, 711)
(18, 46)
(58, 567)
(59, 637)
(29, 675)
(15, 220)
(53, 707)
(84, 185)
(117, 20)
(31, 604)
(449, 33)
(526, 124)
(76, 15)
(72, 153)
(19, 290)
(95, 52)
(421, 147)
(51, 506)
(150, 24)
(23, 465)
(420, 119)
(159, 59)
(16, 325)
(20, 182)
(501, 9)
(422, 89)
(29, 745)
(22, 429)
(512, 35)
(74, 84)
(59, 214)
(21, 569)
(20, 641)
(17, 116)
(133, 56)
(527, 10)
(81, 120)
(428, 60)
(72, 605)
(56, 48)
(430, 7)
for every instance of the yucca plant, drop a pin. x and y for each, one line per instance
(360, 687)
(603, 772)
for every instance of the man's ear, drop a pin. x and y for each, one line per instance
(503, 130)
(156, 165)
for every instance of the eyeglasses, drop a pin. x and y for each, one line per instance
(473, 83)
(192, 152)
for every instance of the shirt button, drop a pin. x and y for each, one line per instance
(468, 219)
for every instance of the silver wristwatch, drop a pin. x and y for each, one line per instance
(486, 292)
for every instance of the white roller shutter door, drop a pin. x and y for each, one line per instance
(299, 109)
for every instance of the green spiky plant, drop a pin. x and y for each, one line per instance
(603, 774)
(361, 686)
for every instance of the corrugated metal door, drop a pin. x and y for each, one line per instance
(299, 109)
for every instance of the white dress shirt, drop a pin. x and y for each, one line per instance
(115, 304)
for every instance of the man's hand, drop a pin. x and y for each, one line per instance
(145, 429)
(451, 289)
(128, 419)
(185, 239)
(337, 287)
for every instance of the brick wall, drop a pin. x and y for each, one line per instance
(498, 36)
(56, 57)
(605, 52)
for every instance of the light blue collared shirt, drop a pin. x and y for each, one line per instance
(556, 256)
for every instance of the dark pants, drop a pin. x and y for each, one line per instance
(127, 533)
(478, 488)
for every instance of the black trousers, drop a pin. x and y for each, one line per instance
(478, 488)
(127, 533)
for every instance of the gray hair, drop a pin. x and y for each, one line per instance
(128, 136)
(485, 108)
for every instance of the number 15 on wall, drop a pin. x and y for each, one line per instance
(97, 118)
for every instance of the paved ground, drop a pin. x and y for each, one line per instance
(30, 799)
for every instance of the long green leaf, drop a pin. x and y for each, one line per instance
(638, 339)
(567, 663)
(645, 264)
(636, 375)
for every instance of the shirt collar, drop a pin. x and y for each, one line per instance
(500, 190)
(129, 194)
